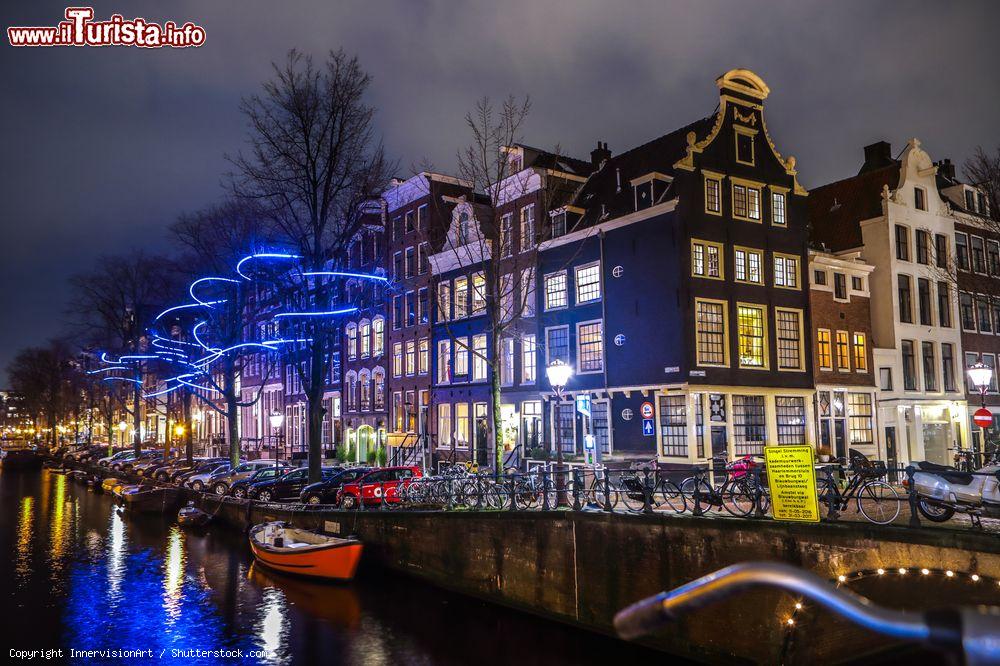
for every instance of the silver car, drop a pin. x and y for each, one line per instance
(221, 482)
(200, 480)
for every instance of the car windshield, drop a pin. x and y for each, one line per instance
(297, 474)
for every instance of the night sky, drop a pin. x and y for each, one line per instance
(104, 147)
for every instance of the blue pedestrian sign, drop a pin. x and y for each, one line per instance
(583, 404)
(647, 428)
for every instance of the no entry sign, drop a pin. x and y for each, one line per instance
(983, 417)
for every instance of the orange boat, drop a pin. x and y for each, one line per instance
(305, 553)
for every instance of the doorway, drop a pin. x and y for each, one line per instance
(891, 457)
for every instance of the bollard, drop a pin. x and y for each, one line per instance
(758, 508)
(607, 491)
(647, 492)
(513, 499)
(833, 495)
(545, 488)
(577, 482)
(911, 496)
(450, 489)
(697, 510)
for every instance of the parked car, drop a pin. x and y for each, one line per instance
(126, 464)
(200, 480)
(371, 487)
(220, 483)
(140, 466)
(182, 466)
(239, 488)
(286, 486)
(107, 460)
(208, 465)
(325, 491)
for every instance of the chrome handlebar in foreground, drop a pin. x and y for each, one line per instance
(974, 632)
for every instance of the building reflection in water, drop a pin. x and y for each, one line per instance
(25, 530)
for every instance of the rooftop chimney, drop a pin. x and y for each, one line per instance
(947, 168)
(877, 155)
(599, 154)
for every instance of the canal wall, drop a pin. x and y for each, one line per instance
(582, 567)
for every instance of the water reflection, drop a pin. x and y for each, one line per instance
(25, 522)
(78, 574)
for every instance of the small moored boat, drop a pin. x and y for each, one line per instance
(146, 499)
(110, 483)
(305, 553)
(192, 516)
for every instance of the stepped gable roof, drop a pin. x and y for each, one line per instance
(837, 210)
(601, 196)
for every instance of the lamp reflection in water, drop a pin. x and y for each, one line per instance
(173, 574)
(58, 529)
(272, 627)
(25, 530)
(116, 557)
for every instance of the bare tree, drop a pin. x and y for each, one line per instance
(498, 244)
(45, 376)
(111, 306)
(313, 165)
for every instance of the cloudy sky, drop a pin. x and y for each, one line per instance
(102, 148)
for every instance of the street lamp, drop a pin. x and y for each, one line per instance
(558, 374)
(179, 430)
(122, 427)
(277, 419)
(981, 376)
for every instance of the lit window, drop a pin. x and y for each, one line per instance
(786, 271)
(747, 265)
(527, 228)
(706, 259)
(507, 361)
(710, 332)
(378, 337)
(352, 342)
(397, 359)
(590, 347)
(588, 283)
(424, 357)
(506, 224)
(528, 291)
(461, 297)
(746, 202)
(860, 352)
(778, 208)
(528, 362)
(555, 291)
(673, 425)
(478, 294)
(411, 358)
(788, 325)
(790, 420)
(749, 425)
(444, 301)
(824, 351)
(479, 357)
(444, 361)
(557, 344)
(843, 352)
(365, 332)
(752, 340)
(461, 357)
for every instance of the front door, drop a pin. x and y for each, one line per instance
(720, 449)
(840, 438)
(891, 459)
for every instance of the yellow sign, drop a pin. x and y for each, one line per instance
(792, 479)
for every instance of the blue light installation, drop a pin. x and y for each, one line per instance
(262, 255)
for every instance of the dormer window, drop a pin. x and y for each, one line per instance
(649, 188)
(919, 198)
(559, 224)
(970, 201)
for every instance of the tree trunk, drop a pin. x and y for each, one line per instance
(232, 412)
(189, 430)
(137, 410)
(314, 396)
(496, 417)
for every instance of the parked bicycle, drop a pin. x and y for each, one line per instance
(876, 500)
(645, 480)
(739, 491)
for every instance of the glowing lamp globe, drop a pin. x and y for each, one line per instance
(558, 374)
(981, 376)
(122, 426)
(179, 429)
(277, 419)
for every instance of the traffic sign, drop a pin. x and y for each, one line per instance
(583, 404)
(983, 417)
(647, 428)
(646, 410)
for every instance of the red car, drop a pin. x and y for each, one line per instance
(371, 487)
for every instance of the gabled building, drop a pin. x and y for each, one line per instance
(892, 216)
(976, 268)
(680, 283)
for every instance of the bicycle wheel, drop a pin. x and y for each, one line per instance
(878, 502)
(739, 497)
(525, 495)
(603, 496)
(825, 491)
(688, 487)
(668, 497)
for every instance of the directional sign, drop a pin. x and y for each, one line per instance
(647, 428)
(646, 410)
(983, 417)
(583, 404)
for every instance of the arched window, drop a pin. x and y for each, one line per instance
(352, 391)
(365, 333)
(378, 336)
(365, 380)
(378, 378)
(352, 342)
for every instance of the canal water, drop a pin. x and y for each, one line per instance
(75, 574)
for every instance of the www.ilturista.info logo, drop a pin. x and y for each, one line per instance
(79, 29)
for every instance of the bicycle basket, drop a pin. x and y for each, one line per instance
(860, 464)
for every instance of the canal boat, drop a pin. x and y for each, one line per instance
(297, 551)
(148, 499)
(110, 483)
(192, 516)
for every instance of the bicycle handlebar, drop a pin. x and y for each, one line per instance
(977, 634)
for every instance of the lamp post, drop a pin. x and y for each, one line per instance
(276, 419)
(122, 427)
(558, 374)
(981, 376)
